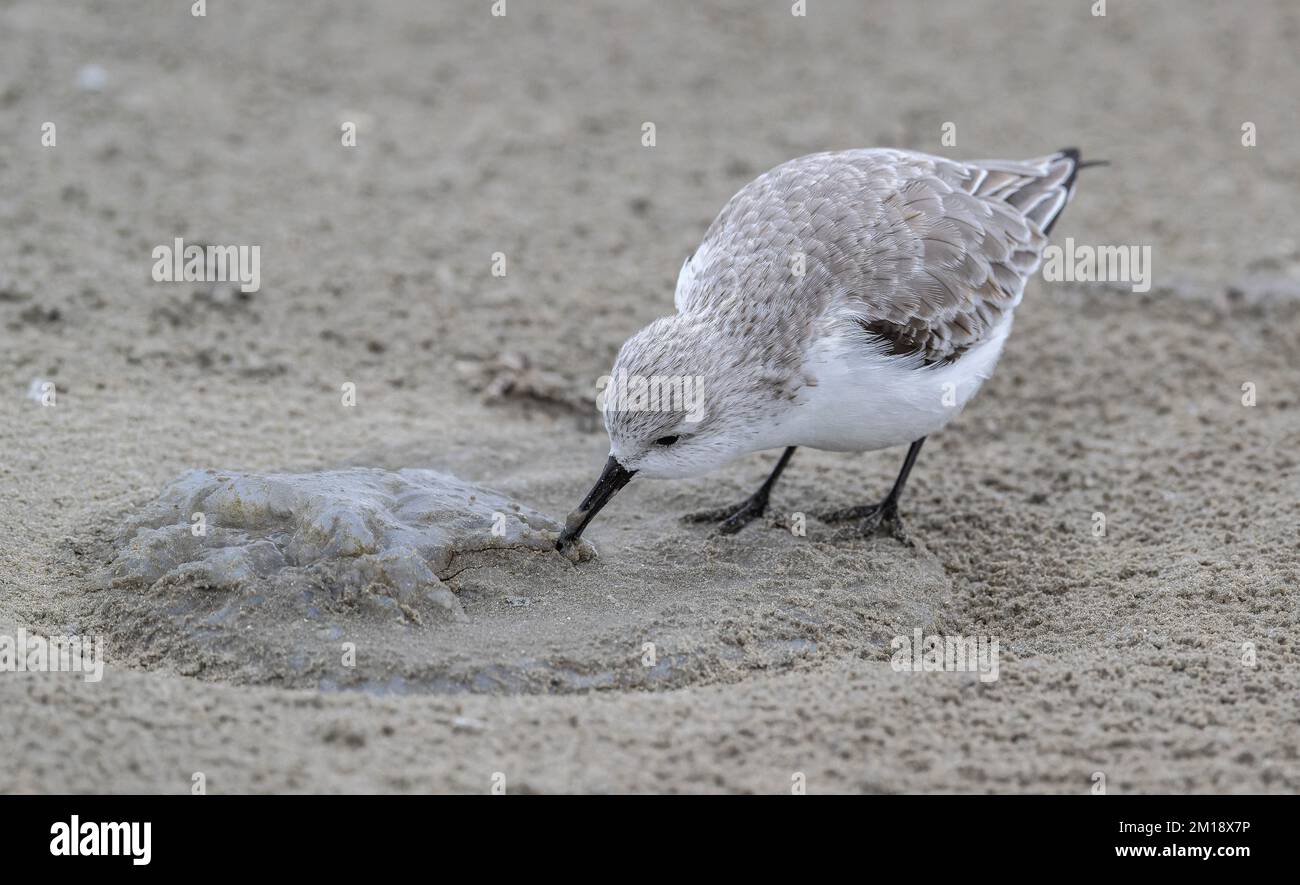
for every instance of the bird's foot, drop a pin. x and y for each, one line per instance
(871, 519)
(734, 518)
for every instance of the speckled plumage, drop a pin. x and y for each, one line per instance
(929, 252)
(833, 294)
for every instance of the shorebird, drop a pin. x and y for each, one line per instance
(847, 301)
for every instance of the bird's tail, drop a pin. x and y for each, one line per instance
(1040, 188)
(1070, 158)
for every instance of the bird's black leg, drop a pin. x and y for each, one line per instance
(872, 517)
(735, 518)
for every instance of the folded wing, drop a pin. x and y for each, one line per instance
(928, 255)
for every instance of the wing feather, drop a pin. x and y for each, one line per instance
(929, 255)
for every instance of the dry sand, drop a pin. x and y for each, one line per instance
(1120, 654)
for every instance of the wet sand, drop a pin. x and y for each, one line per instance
(1120, 654)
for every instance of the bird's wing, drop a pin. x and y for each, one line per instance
(951, 248)
(685, 280)
(926, 254)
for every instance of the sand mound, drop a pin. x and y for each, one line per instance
(415, 581)
(352, 535)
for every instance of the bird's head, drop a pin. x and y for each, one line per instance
(681, 400)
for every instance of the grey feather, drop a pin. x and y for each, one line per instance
(927, 254)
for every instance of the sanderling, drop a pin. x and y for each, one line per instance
(846, 301)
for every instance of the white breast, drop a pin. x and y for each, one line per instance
(865, 400)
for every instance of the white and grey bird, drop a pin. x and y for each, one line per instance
(846, 301)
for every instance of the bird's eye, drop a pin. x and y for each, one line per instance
(665, 440)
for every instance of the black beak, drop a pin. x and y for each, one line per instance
(612, 478)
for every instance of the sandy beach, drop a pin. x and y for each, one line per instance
(1160, 654)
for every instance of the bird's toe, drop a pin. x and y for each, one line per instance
(870, 521)
(848, 514)
(715, 514)
(730, 519)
